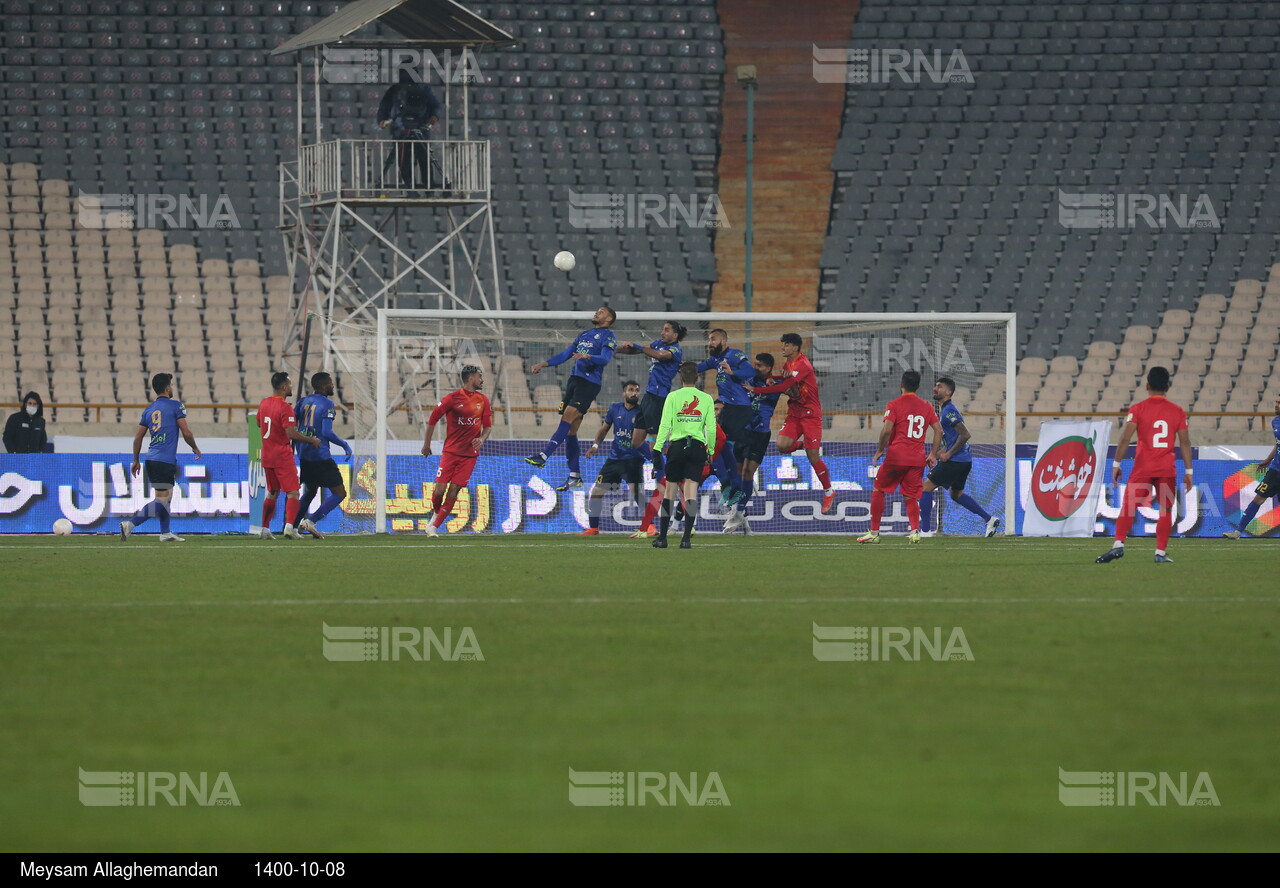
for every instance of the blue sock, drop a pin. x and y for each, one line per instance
(330, 503)
(972, 505)
(1250, 512)
(748, 487)
(557, 437)
(145, 514)
(926, 511)
(162, 511)
(726, 469)
(573, 454)
(304, 504)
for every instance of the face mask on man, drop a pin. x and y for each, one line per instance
(31, 409)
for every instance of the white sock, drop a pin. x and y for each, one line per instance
(288, 527)
(1159, 551)
(1118, 544)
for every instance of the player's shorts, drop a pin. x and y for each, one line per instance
(161, 475)
(580, 394)
(455, 469)
(1268, 486)
(752, 447)
(616, 470)
(686, 459)
(281, 478)
(734, 419)
(319, 474)
(650, 416)
(950, 475)
(910, 478)
(1139, 490)
(807, 426)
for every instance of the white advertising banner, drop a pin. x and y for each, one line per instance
(1067, 478)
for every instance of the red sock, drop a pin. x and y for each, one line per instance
(291, 506)
(913, 513)
(877, 509)
(655, 503)
(1128, 509)
(820, 469)
(268, 511)
(443, 512)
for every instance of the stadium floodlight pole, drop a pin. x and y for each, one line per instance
(746, 75)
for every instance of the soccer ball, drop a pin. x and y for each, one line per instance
(62, 527)
(564, 261)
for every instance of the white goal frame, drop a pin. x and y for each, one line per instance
(1009, 319)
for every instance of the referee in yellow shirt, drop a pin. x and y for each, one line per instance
(689, 422)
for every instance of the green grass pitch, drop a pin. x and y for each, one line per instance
(603, 654)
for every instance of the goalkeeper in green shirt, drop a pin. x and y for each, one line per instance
(689, 423)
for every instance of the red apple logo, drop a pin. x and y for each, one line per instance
(1062, 477)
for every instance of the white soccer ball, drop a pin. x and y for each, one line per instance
(564, 261)
(62, 527)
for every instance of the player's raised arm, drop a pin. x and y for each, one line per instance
(187, 436)
(1130, 429)
(1184, 444)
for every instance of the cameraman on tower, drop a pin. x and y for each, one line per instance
(411, 109)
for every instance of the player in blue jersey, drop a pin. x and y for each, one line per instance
(590, 353)
(164, 419)
(625, 462)
(1268, 487)
(954, 461)
(733, 369)
(665, 354)
(751, 452)
(315, 414)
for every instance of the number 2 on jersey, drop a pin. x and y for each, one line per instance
(1161, 436)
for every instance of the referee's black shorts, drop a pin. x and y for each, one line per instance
(686, 459)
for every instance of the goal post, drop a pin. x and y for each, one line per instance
(393, 373)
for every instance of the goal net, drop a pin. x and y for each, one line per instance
(392, 376)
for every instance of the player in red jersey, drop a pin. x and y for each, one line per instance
(804, 412)
(470, 422)
(278, 425)
(905, 421)
(1157, 422)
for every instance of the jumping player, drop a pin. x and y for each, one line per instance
(804, 412)
(1269, 486)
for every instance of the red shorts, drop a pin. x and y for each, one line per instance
(455, 469)
(909, 477)
(282, 478)
(1140, 490)
(807, 427)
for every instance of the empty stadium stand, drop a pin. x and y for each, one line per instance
(950, 195)
(181, 98)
